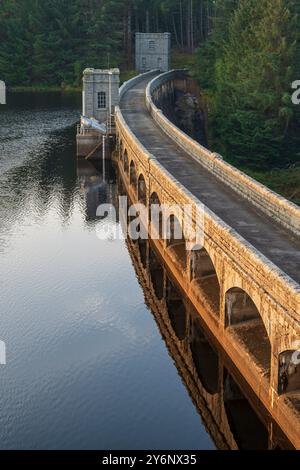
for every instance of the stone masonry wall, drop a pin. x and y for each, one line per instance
(284, 212)
(152, 51)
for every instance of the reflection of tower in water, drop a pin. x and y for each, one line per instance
(97, 185)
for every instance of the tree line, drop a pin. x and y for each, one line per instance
(246, 68)
(246, 54)
(52, 41)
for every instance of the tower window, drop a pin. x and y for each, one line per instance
(152, 45)
(101, 100)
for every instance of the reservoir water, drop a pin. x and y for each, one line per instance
(86, 365)
(94, 354)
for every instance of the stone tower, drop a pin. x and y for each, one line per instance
(100, 93)
(152, 51)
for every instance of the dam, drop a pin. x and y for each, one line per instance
(244, 281)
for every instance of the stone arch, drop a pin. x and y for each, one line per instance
(244, 320)
(176, 310)
(121, 150)
(233, 280)
(154, 199)
(142, 190)
(156, 271)
(126, 162)
(121, 186)
(204, 277)
(132, 174)
(239, 307)
(288, 371)
(206, 360)
(174, 231)
(155, 216)
(247, 429)
(175, 240)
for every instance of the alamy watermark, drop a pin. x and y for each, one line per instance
(170, 223)
(295, 359)
(2, 353)
(2, 92)
(296, 94)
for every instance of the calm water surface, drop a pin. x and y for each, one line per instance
(86, 364)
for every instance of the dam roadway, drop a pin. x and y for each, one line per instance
(269, 238)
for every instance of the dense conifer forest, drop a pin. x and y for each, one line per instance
(244, 53)
(53, 40)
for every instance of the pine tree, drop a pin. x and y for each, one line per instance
(15, 50)
(252, 107)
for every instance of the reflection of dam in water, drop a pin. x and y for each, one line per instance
(244, 280)
(252, 335)
(230, 411)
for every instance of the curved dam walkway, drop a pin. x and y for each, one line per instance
(268, 237)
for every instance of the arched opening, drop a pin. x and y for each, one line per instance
(121, 187)
(206, 360)
(239, 307)
(204, 277)
(176, 310)
(132, 179)
(155, 217)
(244, 321)
(126, 162)
(247, 429)
(156, 275)
(289, 371)
(121, 150)
(142, 190)
(142, 244)
(175, 241)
